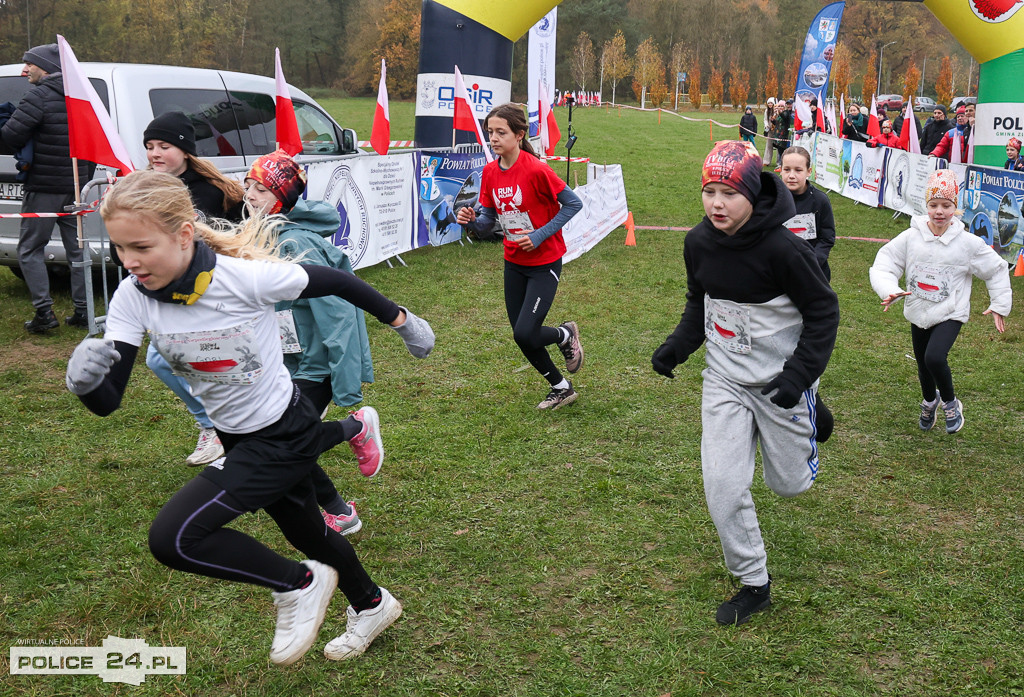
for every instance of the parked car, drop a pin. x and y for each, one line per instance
(234, 116)
(957, 101)
(924, 104)
(889, 102)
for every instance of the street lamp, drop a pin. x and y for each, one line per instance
(880, 54)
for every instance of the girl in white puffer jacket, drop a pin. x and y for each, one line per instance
(938, 257)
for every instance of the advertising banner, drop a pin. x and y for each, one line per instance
(905, 177)
(862, 169)
(540, 67)
(828, 162)
(448, 181)
(378, 200)
(819, 49)
(992, 208)
(604, 209)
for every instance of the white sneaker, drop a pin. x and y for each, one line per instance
(300, 614)
(208, 448)
(363, 627)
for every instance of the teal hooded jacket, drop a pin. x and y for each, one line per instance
(332, 331)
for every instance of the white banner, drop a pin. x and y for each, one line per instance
(540, 67)
(828, 162)
(378, 198)
(997, 122)
(864, 176)
(435, 93)
(604, 209)
(905, 177)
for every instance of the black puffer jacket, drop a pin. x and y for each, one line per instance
(42, 117)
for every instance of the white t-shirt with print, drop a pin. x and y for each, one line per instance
(227, 345)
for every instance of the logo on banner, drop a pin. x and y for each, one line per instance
(995, 11)
(827, 28)
(343, 193)
(898, 181)
(428, 94)
(481, 99)
(544, 27)
(857, 173)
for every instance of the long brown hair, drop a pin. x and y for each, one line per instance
(515, 117)
(232, 190)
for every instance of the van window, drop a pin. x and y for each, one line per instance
(217, 131)
(14, 87)
(317, 131)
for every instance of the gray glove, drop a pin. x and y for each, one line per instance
(89, 364)
(417, 334)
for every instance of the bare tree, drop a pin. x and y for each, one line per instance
(649, 67)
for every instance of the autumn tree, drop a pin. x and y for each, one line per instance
(841, 73)
(870, 84)
(715, 88)
(648, 67)
(658, 93)
(693, 89)
(739, 85)
(582, 63)
(771, 80)
(397, 32)
(616, 63)
(911, 80)
(789, 70)
(677, 63)
(944, 83)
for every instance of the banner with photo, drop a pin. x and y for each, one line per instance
(818, 51)
(862, 172)
(827, 162)
(448, 181)
(604, 209)
(992, 208)
(378, 199)
(905, 177)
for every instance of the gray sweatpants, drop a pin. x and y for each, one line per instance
(35, 235)
(735, 420)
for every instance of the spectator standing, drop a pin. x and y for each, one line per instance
(748, 125)
(934, 129)
(886, 138)
(855, 125)
(41, 119)
(957, 134)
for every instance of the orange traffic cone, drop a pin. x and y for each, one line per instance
(1019, 271)
(630, 237)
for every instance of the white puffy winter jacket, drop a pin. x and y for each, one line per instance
(938, 272)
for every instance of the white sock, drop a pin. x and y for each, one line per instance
(564, 384)
(563, 335)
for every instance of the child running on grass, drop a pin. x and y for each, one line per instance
(206, 298)
(757, 296)
(813, 220)
(938, 256)
(532, 204)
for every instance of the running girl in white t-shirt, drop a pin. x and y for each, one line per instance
(206, 299)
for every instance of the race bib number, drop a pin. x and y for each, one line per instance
(515, 224)
(727, 324)
(228, 356)
(289, 334)
(930, 282)
(802, 225)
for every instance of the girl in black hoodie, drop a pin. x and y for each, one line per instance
(813, 221)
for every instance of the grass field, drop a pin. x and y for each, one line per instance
(565, 553)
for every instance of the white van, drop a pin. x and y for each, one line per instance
(233, 113)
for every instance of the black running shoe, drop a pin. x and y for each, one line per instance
(572, 349)
(78, 319)
(738, 609)
(44, 321)
(559, 398)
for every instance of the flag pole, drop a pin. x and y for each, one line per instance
(90, 306)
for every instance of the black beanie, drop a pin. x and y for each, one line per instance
(174, 128)
(46, 57)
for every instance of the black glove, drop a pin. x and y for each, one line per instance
(664, 360)
(787, 395)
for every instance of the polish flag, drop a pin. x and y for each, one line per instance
(464, 118)
(819, 114)
(802, 115)
(288, 138)
(956, 154)
(970, 147)
(91, 133)
(380, 136)
(833, 125)
(874, 130)
(549, 133)
(908, 133)
(842, 114)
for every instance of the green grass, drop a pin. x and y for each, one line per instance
(565, 553)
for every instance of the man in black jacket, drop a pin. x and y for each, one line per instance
(41, 118)
(934, 129)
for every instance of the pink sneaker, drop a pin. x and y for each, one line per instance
(367, 445)
(345, 524)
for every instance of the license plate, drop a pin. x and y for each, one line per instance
(12, 191)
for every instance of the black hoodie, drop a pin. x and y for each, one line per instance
(772, 274)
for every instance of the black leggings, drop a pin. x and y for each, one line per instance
(529, 292)
(931, 347)
(333, 433)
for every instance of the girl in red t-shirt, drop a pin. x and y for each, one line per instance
(531, 204)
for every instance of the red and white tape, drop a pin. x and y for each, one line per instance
(392, 144)
(42, 215)
(559, 158)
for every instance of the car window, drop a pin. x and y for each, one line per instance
(14, 87)
(258, 118)
(217, 130)
(316, 130)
